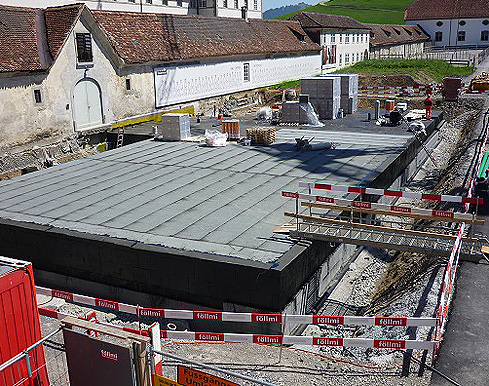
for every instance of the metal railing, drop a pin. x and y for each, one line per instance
(21, 370)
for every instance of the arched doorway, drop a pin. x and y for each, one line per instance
(87, 104)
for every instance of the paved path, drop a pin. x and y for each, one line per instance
(464, 354)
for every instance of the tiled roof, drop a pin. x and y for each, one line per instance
(157, 37)
(19, 50)
(322, 20)
(59, 22)
(447, 9)
(18, 42)
(385, 34)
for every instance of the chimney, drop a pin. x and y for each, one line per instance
(244, 13)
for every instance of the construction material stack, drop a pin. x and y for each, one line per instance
(174, 127)
(349, 92)
(293, 113)
(324, 94)
(480, 82)
(261, 135)
(231, 127)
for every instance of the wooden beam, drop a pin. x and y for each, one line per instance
(390, 213)
(103, 329)
(377, 228)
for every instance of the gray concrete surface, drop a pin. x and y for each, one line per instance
(464, 354)
(220, 201)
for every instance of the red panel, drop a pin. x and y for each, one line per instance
(326, 341)
(396, 193)
(266, 318)
(19, 327)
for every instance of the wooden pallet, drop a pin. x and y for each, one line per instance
(261, 135)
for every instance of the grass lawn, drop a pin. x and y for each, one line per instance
(434, 69)
(366, 11)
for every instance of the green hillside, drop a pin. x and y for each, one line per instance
(366, 11)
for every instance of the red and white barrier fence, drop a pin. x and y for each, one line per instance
(384, 207)
(237, 316)
(448, 286)
(388, 192)
(274, 339)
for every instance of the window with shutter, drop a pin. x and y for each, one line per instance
(84, 48)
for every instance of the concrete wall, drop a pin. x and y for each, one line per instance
(450, 28)
(405, 51)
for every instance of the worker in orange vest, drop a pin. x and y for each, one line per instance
(428, 104)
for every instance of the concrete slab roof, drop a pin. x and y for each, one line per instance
(219, 201)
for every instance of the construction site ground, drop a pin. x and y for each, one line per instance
(364, 285)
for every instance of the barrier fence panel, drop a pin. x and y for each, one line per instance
(293, 339)
(448, 285)
(242, 317)
(21, 371)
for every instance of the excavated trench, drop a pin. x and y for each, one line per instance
(392, 283)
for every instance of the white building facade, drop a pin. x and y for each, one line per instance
(452, 22)
(220, 8)
(344, 41)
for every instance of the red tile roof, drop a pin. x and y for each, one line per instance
(447, 9)
(141, 38)
(385, 34)
(18, 42)
(322, 20)
(59, 23)
(19, 50)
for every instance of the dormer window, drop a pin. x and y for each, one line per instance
(84, 48)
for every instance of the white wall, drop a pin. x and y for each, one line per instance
(349, 44)
(449, 29)
(399, 50)
(193, 82)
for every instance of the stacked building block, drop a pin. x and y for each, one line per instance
(174, 127)
(324, 95)
(349, 92)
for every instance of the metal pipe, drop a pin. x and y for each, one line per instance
(227, 372)
(28, 363)
(21, 355)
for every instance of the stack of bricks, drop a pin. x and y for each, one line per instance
(261, 135)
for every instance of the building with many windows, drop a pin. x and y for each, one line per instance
(220, 8)
(452, 22)
(344, 40)
(396, 41)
